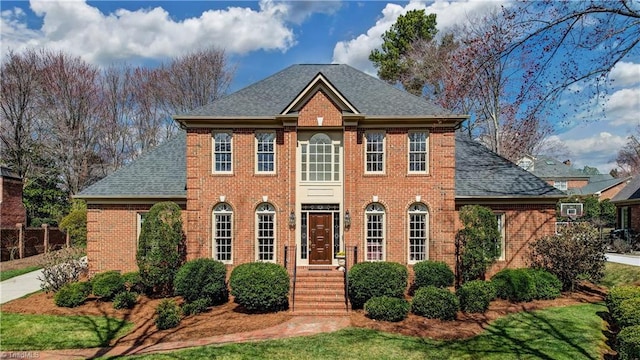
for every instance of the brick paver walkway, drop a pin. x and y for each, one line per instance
(297, 326)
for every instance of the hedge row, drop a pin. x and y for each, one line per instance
(623, 303)
(526, 284)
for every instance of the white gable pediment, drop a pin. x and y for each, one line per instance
(319, 83)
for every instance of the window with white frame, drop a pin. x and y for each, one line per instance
(560, 184)
(418, 157)
(222, 232)
(222, 152)
(374, 157)
(265, 152)
(418, 232)
(500, 219)
(140, 217)
(265, 232)
(320, 159)
(375, 240)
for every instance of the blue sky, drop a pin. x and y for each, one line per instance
(264, 37)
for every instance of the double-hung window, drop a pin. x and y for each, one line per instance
(222, 232)
(265, 233)
(266, 152)
(222, 152)
(418, 233)
(374, 143)
(375, 239)
(418, 152)
(560, 185)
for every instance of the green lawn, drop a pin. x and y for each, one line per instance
(39, 332)
(573, 332)
(8, 274)
(619, 274)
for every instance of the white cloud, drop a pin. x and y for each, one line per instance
(355, 52)
(300, 10)
(625, 74)
(590, 145)
(623, 107)
(81, 29)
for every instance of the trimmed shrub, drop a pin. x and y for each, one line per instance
(260, 287)
(476, 295)
(435, 303)
(159, 253)
(125, 300)
(167, 314)
(373, 279)
(75, 223)
(629, 343)
(107, 284)
(628, 313)
(548, 286)
(386, 308)
(617, 295)
(432, 273)
(132, 281)
(202, 279)
(196, 307)
(515, 285)
(72, 294)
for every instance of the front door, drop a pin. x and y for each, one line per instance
(320, 238)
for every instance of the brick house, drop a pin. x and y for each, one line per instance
(318, 159)
(627, 203)
(12, 210)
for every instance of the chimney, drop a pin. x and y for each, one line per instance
(567, 162)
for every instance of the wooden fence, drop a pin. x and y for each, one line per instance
(21, 242)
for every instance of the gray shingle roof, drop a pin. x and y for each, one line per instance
(482, 173)
(160, 172)
(597, 183)
(547, 168)
(270, 97)
(629, 192)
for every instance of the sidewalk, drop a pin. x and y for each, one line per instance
(19, 286)
(626, 259)
(297, 326)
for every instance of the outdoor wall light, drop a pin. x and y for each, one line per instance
(292, 219)
(347, 219)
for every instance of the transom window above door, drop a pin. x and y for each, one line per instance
(320, 159)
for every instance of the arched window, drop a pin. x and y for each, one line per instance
(418, 232)
(375, 230)
(320, 159)
(265, 232)
(222, 232)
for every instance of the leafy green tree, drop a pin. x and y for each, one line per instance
(160, 248)
(44, 200)
(588, 170)
(608, 212)
(477, 243)
(75, 223)
(391, 61)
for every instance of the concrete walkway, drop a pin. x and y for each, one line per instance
(624, 259)
(19, 286)
(297, 326)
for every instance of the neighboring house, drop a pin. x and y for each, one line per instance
(320, 159)
(12, 210)
(627, 203)
(572, 181)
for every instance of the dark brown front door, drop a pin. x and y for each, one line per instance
(320, 238)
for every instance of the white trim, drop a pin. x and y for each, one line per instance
(418, 209)
(375, 209)
(427, 152)
(222, 212)
(256, 143)
(502, 226)
(384, 151)
(322, 83)
(140, 215)
(213, 152)
(269, 210)
(561, 184)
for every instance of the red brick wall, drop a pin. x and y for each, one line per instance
(320, 106)
(613, 191)
(12, 209)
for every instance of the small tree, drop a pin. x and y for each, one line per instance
(159, 248)
(477, 244)
(75, 223)
(576, 252)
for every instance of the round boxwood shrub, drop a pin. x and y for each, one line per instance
(125, 300)
(107, 284)
(373, 279)
(629, 343)
(515, 285)
(386, 308)
(432, 273)
(196, 307)
(202, 279)
(475, 296)
(72, 294)
(618, 294)
(167, 314)
(260, 287)
(547, 285)
(628, 313)
(435, 303)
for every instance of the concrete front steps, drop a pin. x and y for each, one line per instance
(319, 292)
